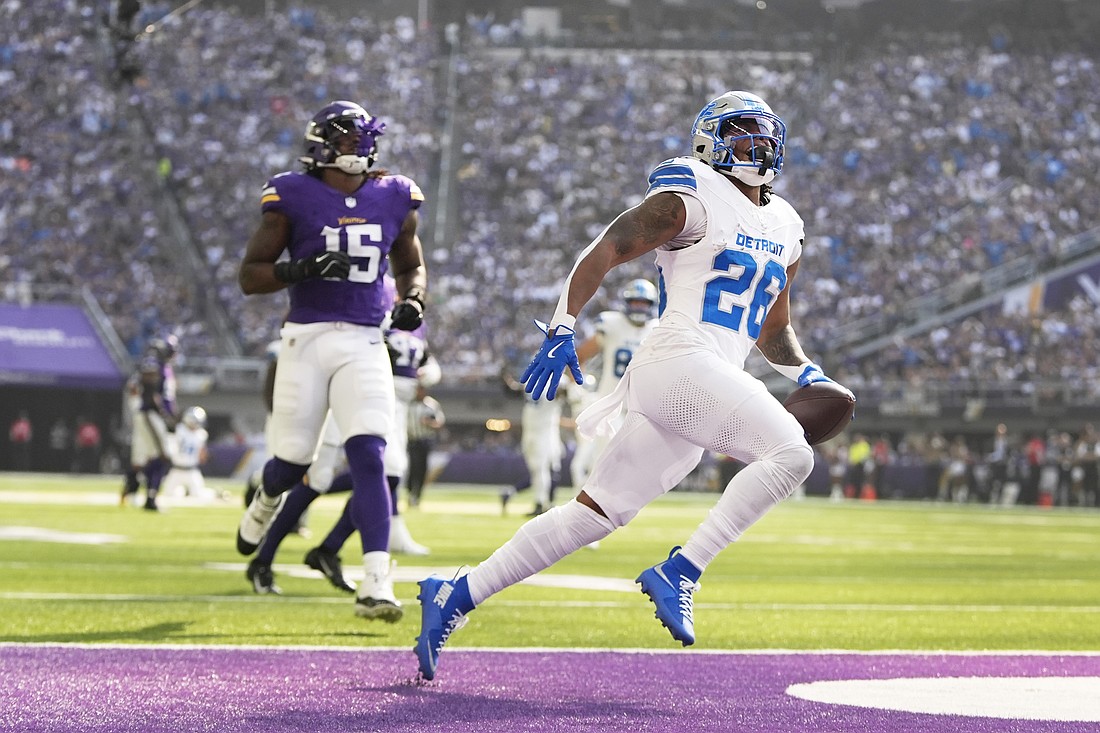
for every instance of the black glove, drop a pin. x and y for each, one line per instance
(331, 265)
(407, 315)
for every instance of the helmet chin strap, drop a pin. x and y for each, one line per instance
(751, 177)
(757, 175)
(353, 165)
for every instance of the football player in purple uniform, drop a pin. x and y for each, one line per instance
(154, 416)
(343, 226)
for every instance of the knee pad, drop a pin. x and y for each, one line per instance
(365, 454)
(790, 464)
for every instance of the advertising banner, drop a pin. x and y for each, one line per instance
(53, 344)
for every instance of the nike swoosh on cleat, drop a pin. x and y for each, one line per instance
(663, 576)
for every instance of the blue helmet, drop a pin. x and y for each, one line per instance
(327, 126)
(731, 118)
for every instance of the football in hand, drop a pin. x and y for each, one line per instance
(823, 409)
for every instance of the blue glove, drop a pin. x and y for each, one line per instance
(812, 373)
(545, 370)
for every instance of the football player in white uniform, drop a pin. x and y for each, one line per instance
(542, 449)
(188, 453)
(618, 336)
(727, 250)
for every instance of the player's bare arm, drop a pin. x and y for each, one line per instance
(778, 342)
(635, 232)
(407, 258)
(257, 271)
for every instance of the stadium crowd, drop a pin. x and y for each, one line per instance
(918, 164)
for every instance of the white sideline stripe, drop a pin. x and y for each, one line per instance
(294, 571)
(414, 574)
(84, 498)
(569, 650)
(40, 534)
(803, 607)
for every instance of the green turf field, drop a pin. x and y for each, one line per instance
(77, 567)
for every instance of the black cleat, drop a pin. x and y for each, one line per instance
(328, 564)
(262, 579)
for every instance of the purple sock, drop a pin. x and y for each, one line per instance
(370, 499)
(340, 484)
(155, 471)
(393, 481)
(340, 532)
(297, 501)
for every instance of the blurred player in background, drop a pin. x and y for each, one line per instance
(344, 226)
(188, 453)
(154, 417)
(618, 335)
(327, 474)
(414, 369)
(728, 250)
(542, 449)
(579, 397)
(271, 353)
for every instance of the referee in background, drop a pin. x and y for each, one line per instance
(426, 418)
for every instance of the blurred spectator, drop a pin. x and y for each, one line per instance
(1087, 479)
(87, 444)
(20, 438)
(60, 445)
(919, 209)
(1035, 449)
(859, 465)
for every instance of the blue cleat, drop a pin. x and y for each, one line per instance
(440, 616)
(671, 585)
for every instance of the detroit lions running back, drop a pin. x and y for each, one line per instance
(727, 250)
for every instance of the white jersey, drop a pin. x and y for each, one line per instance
(717, 292)
(187, 452)
(189, 445)
(541, 444)
(619, 337)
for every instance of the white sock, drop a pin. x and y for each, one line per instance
(537, 545)
(747, 498)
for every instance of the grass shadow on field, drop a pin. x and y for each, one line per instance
(154, 633)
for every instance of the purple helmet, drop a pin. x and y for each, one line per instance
(337, 119)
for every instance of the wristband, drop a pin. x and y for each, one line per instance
(286, 272)
(564, 319)
(415, 293)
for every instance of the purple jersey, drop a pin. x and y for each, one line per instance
(158, 384)
(408, 350)
(363, 224)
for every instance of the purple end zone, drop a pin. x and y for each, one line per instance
(175, 690)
